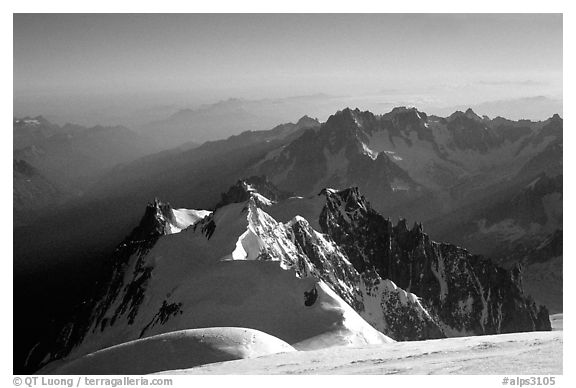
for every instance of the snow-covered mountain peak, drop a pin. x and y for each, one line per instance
(259, 188)
(161, 219)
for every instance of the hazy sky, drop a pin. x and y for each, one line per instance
(440, 58)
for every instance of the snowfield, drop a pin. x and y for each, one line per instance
(519, 353)
(185, 348)
(231, 350)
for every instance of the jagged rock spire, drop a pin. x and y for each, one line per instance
(155, 221)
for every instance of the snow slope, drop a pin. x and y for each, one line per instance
(519, 353)
(183, 218)
(182, 349)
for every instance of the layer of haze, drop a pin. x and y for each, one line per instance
(129, 69)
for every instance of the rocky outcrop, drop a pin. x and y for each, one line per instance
(467, 293)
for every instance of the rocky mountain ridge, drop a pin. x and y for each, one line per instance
(468, 293)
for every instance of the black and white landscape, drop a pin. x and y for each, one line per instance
(401, 232)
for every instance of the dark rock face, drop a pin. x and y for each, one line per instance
(402, 120)
(471, 134)
(310, 296)
(468, 293)
(166, 311)
(155, 221)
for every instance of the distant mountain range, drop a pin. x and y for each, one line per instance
(66, 159)
(213, 122)
(153, 115)
(533, 107)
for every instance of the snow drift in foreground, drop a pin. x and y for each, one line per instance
(179, 349)
(534, 353)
